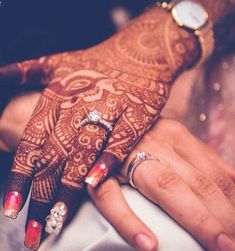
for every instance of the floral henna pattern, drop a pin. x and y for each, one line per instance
(126, 79)
(36, 134)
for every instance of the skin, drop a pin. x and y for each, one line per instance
(204, 179)
(126, 78)
(79, 82)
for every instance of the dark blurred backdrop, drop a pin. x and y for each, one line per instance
(30, 28)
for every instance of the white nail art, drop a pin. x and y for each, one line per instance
(56, 218)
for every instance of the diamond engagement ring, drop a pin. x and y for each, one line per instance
(95, 117)
(140, 157)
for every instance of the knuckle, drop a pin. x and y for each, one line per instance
(202, 186)
(166, 181)
(172, 125)
(202, 219)
(225, 184)
(173, 128)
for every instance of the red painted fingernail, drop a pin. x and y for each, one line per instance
(12, 204)
(97, 173)
(33, 234)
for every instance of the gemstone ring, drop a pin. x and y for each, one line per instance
(140, 157)
(95, 117)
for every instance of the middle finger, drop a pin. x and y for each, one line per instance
(206, 189)
(163, 186)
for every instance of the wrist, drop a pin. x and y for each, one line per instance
(152, 46)
(184, 45)
(216, 11)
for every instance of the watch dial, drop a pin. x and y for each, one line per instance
(190, 14)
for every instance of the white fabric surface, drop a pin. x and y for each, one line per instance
(89, 231)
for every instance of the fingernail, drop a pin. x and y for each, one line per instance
(96, 175)
(56, 218)
(12, 204)
(145, 243)
(33, 234)
(225, 243)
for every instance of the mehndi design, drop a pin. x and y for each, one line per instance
(126, 78)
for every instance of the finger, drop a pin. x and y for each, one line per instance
(163, 186)
(10, 75)
(86, 145)
(35, 135)
(48, 171)
(211, 153)
(207, 161)
(49, 167)
(207, 190)
(121, 217)
(130, 127)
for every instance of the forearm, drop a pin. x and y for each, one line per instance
(222, 14)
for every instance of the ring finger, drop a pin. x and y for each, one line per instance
(162, 185)
(86, 146)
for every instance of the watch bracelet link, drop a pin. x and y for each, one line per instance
(207, 42)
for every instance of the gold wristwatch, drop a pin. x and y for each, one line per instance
(191, 15)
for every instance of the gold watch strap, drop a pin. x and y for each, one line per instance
(206, 40)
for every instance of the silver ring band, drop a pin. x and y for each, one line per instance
(140, 157)
(95, 117)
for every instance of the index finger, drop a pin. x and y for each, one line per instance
(121, 216)
(34, 137)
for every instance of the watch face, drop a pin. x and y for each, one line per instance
(189, 14)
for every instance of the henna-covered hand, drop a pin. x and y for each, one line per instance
(161, 142)
(126, 78)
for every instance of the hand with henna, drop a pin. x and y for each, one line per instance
(125, 78)
(189, 175)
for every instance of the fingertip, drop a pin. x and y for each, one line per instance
(33, 234)
(12, 204)
(121, 217)
(145, 243)
(56, 219)
(106, 163)
(96, 175)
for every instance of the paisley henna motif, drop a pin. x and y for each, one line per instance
(126, 78)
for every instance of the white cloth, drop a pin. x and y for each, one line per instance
(89, 231)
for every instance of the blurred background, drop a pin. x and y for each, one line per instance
(33, 28)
